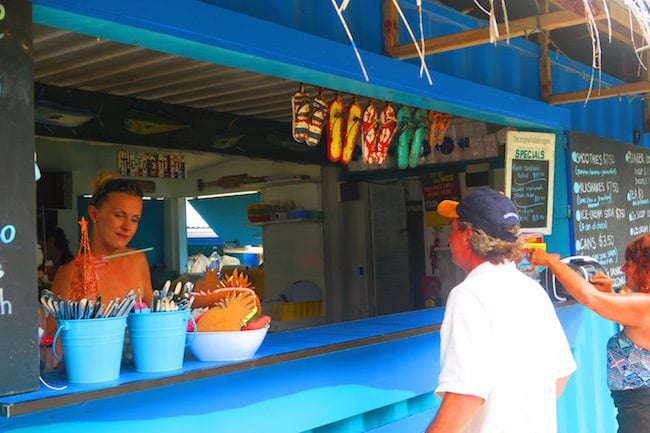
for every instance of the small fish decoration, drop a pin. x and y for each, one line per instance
(226, 140)
(53, 114)
(143, 123)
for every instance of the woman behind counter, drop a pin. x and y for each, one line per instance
(115, 210)
(628, 352)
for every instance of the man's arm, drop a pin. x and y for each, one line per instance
(559, 385)
(456, 411)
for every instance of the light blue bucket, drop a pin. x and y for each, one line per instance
(158, 340)
(92, 348)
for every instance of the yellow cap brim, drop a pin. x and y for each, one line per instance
(447, 208)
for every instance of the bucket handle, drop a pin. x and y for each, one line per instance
(193, 331)
(61, 327)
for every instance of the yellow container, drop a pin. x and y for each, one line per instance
(300, 310)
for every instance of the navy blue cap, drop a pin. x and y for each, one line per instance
(486, 209)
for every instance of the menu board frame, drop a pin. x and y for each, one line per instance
(19, 361)
(529, 178)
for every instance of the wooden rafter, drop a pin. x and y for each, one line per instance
(470, 38)
(620, 22)
(602, 93)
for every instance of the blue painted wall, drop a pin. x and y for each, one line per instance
(228, 217)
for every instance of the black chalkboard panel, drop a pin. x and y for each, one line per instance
(18, 290)
(529, 191)
(610, 183)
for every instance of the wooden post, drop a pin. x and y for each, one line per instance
(19, 362)
(545, 82)
(391, 27)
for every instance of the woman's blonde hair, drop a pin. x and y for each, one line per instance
(106, 182)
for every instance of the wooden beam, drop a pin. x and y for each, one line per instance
(621, 15)
(618, 32)
(470, 38)
(622, 90)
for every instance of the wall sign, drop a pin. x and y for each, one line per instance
(610, 184)
(148, 164)
(529, 178)
(438, 186)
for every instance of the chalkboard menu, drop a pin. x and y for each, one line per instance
(610, 184)
(529, 177)
(18, 290)
(529, 191)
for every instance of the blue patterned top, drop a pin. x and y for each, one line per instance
(628, 365)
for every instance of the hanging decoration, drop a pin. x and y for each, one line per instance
(300, 108)
(335, 128)
(84, 279)
(352, 130)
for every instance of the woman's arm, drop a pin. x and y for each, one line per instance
(630, 309)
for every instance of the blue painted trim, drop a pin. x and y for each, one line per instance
(205, 32)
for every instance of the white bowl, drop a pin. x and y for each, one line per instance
(226, 345)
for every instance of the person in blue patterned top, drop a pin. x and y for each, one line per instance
(628, 352)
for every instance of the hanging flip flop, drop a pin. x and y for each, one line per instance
(443, 125)
(317, 119)
(300, 108)
(388, 124)
(335, 128)
(434, 119)
(352, 131)
(370, 134)
(420, 135)
(405, 131)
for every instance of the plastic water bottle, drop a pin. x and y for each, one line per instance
(215, 261)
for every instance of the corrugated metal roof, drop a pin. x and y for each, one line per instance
(67, 59)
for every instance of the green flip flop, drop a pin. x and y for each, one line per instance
(405, 134)
(420, 122)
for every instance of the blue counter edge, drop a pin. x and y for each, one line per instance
(277, 348)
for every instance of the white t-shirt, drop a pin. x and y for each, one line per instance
(501, 340)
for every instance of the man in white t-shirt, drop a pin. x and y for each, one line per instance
(504, 356)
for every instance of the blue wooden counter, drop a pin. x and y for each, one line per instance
(375, 375)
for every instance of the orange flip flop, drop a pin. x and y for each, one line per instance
(335, 128)
(352, 131)
(434, 119)
(370, 134)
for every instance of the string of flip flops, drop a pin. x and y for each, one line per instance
(376, 130)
